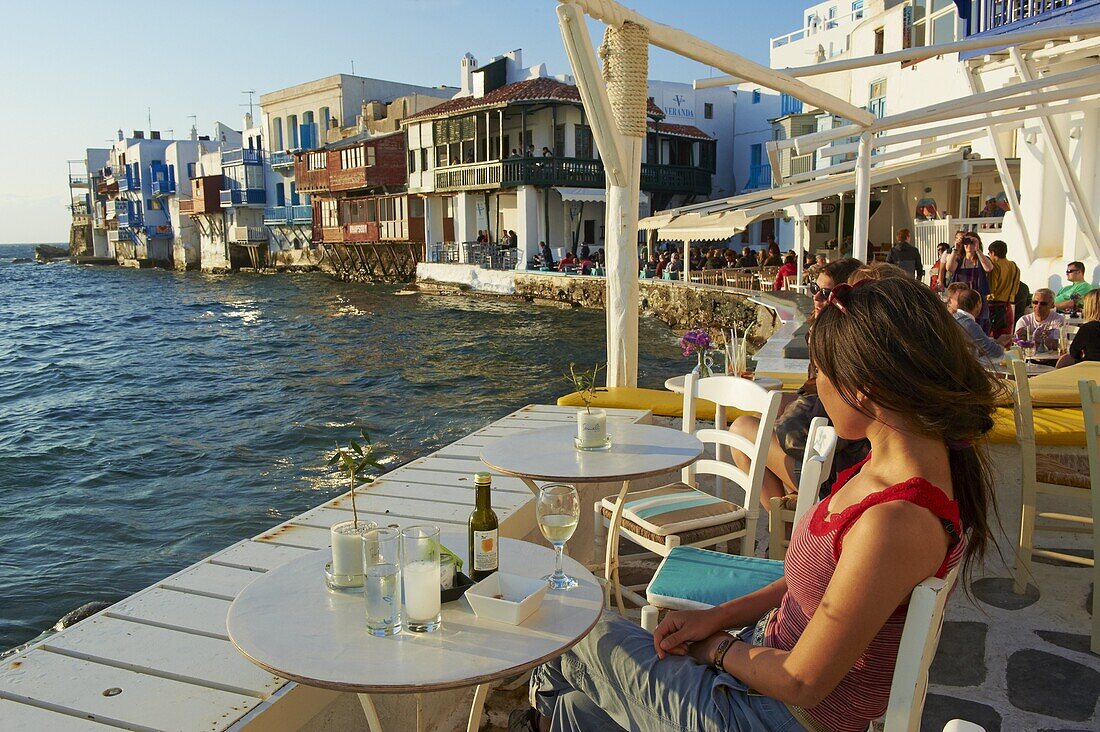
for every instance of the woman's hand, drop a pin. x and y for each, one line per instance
(680, 628)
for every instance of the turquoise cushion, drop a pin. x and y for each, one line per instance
(692, 578)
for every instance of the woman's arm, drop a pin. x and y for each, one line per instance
(680, 628)
(986, 262)
(952, 262)
(886, 554)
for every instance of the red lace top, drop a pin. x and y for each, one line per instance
(812, 557)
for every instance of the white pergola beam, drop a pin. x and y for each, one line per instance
(918, 53)
(1081, 208)
(1007, 184)
(586, 71)
(689, 46)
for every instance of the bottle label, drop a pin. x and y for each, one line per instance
(485, 551)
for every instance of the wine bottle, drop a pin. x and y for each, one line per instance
(483, 524)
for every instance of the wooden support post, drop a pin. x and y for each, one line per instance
(863, 198)
(621, 254)
(1082, 211)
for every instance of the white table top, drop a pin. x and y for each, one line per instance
(1033, 369)
(637, 451)
(289, 623)
(676, 383)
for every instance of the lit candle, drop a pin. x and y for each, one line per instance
(592, 428)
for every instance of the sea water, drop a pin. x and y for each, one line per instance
(149, 418)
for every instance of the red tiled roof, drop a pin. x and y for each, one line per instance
(531, 90)
(668, 128)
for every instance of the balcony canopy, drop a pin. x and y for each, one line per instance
(722, 219)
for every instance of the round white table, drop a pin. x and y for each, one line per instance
(1033, 369)
(637, 451)
(676, 383)
(290, 624)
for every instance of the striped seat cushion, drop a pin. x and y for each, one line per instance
(676, 509)
(690, 578)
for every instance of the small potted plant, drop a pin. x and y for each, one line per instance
(355, 458)
(591, 423)
(698, 342)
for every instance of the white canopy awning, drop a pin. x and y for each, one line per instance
(588, 195)
(717, 220)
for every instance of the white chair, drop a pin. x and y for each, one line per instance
(1065, 476)
(961, 725)
(680, 514)
(817, 464)
(1090, 406)
(750, 573)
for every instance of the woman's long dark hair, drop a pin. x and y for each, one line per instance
(893, 341)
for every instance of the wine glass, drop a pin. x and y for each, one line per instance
(558, 510)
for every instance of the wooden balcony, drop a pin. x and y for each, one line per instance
(571, 172)
(311, 181)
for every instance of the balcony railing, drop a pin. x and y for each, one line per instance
(78, 181)
(244, 197)
(129, 183)
(119, 207)
(760, 176)
(281, 159)
(275, 215)
(992, 14)
(163, 187)
(130, 220)
(245, 156)
(823, 24)
(801, 164)
(187, 205)
(565, 172)
(245, 234)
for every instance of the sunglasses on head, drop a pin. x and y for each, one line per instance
(816, 289)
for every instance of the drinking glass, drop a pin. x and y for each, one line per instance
(558, 510)
(382, 581)
(420, 575)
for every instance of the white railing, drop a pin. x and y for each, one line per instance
(824, 24)
(927, 234)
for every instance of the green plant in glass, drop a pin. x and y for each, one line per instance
(584, 383)
(355, 459)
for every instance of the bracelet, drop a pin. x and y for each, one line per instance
(721, 650)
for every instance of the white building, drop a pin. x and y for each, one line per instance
(716, 112)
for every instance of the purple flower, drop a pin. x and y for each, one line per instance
(695, 340)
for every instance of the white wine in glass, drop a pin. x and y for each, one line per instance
(558, 510)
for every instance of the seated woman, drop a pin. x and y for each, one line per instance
(1086, 344)
(789, 440)
(789, 269)
(816, 649)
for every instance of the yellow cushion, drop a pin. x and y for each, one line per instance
(1058, 388)
(662, 403)
(792, 380)
(1054, 426)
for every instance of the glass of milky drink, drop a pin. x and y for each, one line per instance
(420, 576)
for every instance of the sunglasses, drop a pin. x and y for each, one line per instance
(816, 289)
(1073, 271)
(1041, 302)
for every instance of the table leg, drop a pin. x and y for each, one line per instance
(419, 713)
(480, 693)
(611, 552)
(373, 723)
(531, 484)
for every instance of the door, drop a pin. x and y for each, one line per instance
(448, 219)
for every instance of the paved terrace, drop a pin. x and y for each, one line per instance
(161, 660)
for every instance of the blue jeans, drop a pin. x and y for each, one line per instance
(613, 680)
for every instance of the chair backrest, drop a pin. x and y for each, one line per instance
(817, 463)
(919, 639)
(1090, 409)
(741, 394)
(1024, 417)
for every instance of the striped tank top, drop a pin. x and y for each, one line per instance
(812, 556)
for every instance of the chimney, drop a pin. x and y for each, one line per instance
(194, 132)
(466, 67)
(121, 136)
(248, 120)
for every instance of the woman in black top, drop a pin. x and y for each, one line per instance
(1086, 344)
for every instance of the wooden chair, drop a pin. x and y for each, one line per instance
(1066, 477)
(681, 514)
(817, 464)
(1090, 406)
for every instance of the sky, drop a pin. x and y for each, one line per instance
(76, 72)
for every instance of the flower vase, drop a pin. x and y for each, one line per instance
(592, 430)
(703, 369)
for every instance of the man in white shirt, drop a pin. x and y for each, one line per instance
(1043, 319)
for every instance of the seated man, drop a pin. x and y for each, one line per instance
(567, 262)
(1043, 321)
(1068, 298)
(969, 306)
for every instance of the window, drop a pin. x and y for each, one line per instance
(929, 22)
(756, 96)
(582, 139)
(559, 140)
(292, 131)
(351, 158)
(880, 40)
(857, 9)
(708, 110)
(329, 216)
(280, 194)
(370, 157)
(831, 21)
(191, 170)
(277, 133)
(325, 119)
(424, 159)
(876, 98)
(412, 161)
(317, 161)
